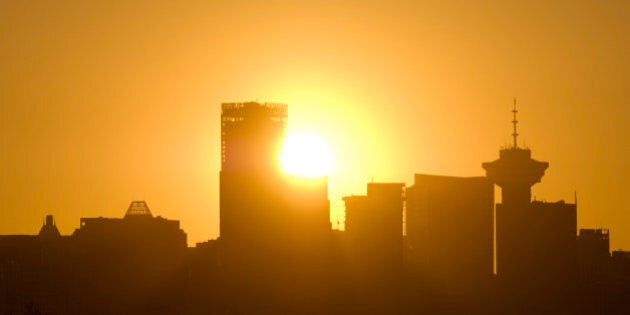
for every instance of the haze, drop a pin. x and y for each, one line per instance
(104, 103)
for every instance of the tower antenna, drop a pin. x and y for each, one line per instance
(515, 122)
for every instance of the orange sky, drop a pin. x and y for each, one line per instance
(101, 104)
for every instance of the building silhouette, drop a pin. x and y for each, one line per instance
(424, 249)
(536, 249)
(373, 244)
(593, 254)
(251, 137)
(49, 229)
(29, 271)
(275, 229)
(449, 225)
(253, 221)
(374, 229)
(134, 264)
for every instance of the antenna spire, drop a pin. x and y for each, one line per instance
(515, 122)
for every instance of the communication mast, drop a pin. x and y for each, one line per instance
(515, 122)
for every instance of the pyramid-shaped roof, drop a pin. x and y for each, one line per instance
(138, 208)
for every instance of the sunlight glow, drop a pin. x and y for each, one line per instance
(305, 155)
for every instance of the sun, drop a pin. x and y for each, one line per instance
(306, 155)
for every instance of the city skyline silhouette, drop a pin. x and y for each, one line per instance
(272, 157)
(107, 103)
(440, 246)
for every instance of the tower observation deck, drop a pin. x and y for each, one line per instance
(515, 171)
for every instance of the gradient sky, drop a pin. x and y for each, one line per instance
(104, 103)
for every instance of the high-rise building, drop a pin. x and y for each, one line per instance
(274, 228)
(374, 228)
(250, 201)
(449, 226)
(260, 205)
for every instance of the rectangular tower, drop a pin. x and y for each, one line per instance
(251, 137)
(274, 228)
(374, 229)
(450, 228)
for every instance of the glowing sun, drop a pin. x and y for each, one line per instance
(306, 155)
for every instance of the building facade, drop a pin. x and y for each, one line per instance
(374, 227)
(449, 224)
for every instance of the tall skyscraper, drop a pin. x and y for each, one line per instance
(251, 138)
(274, 228)
(260, 205)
